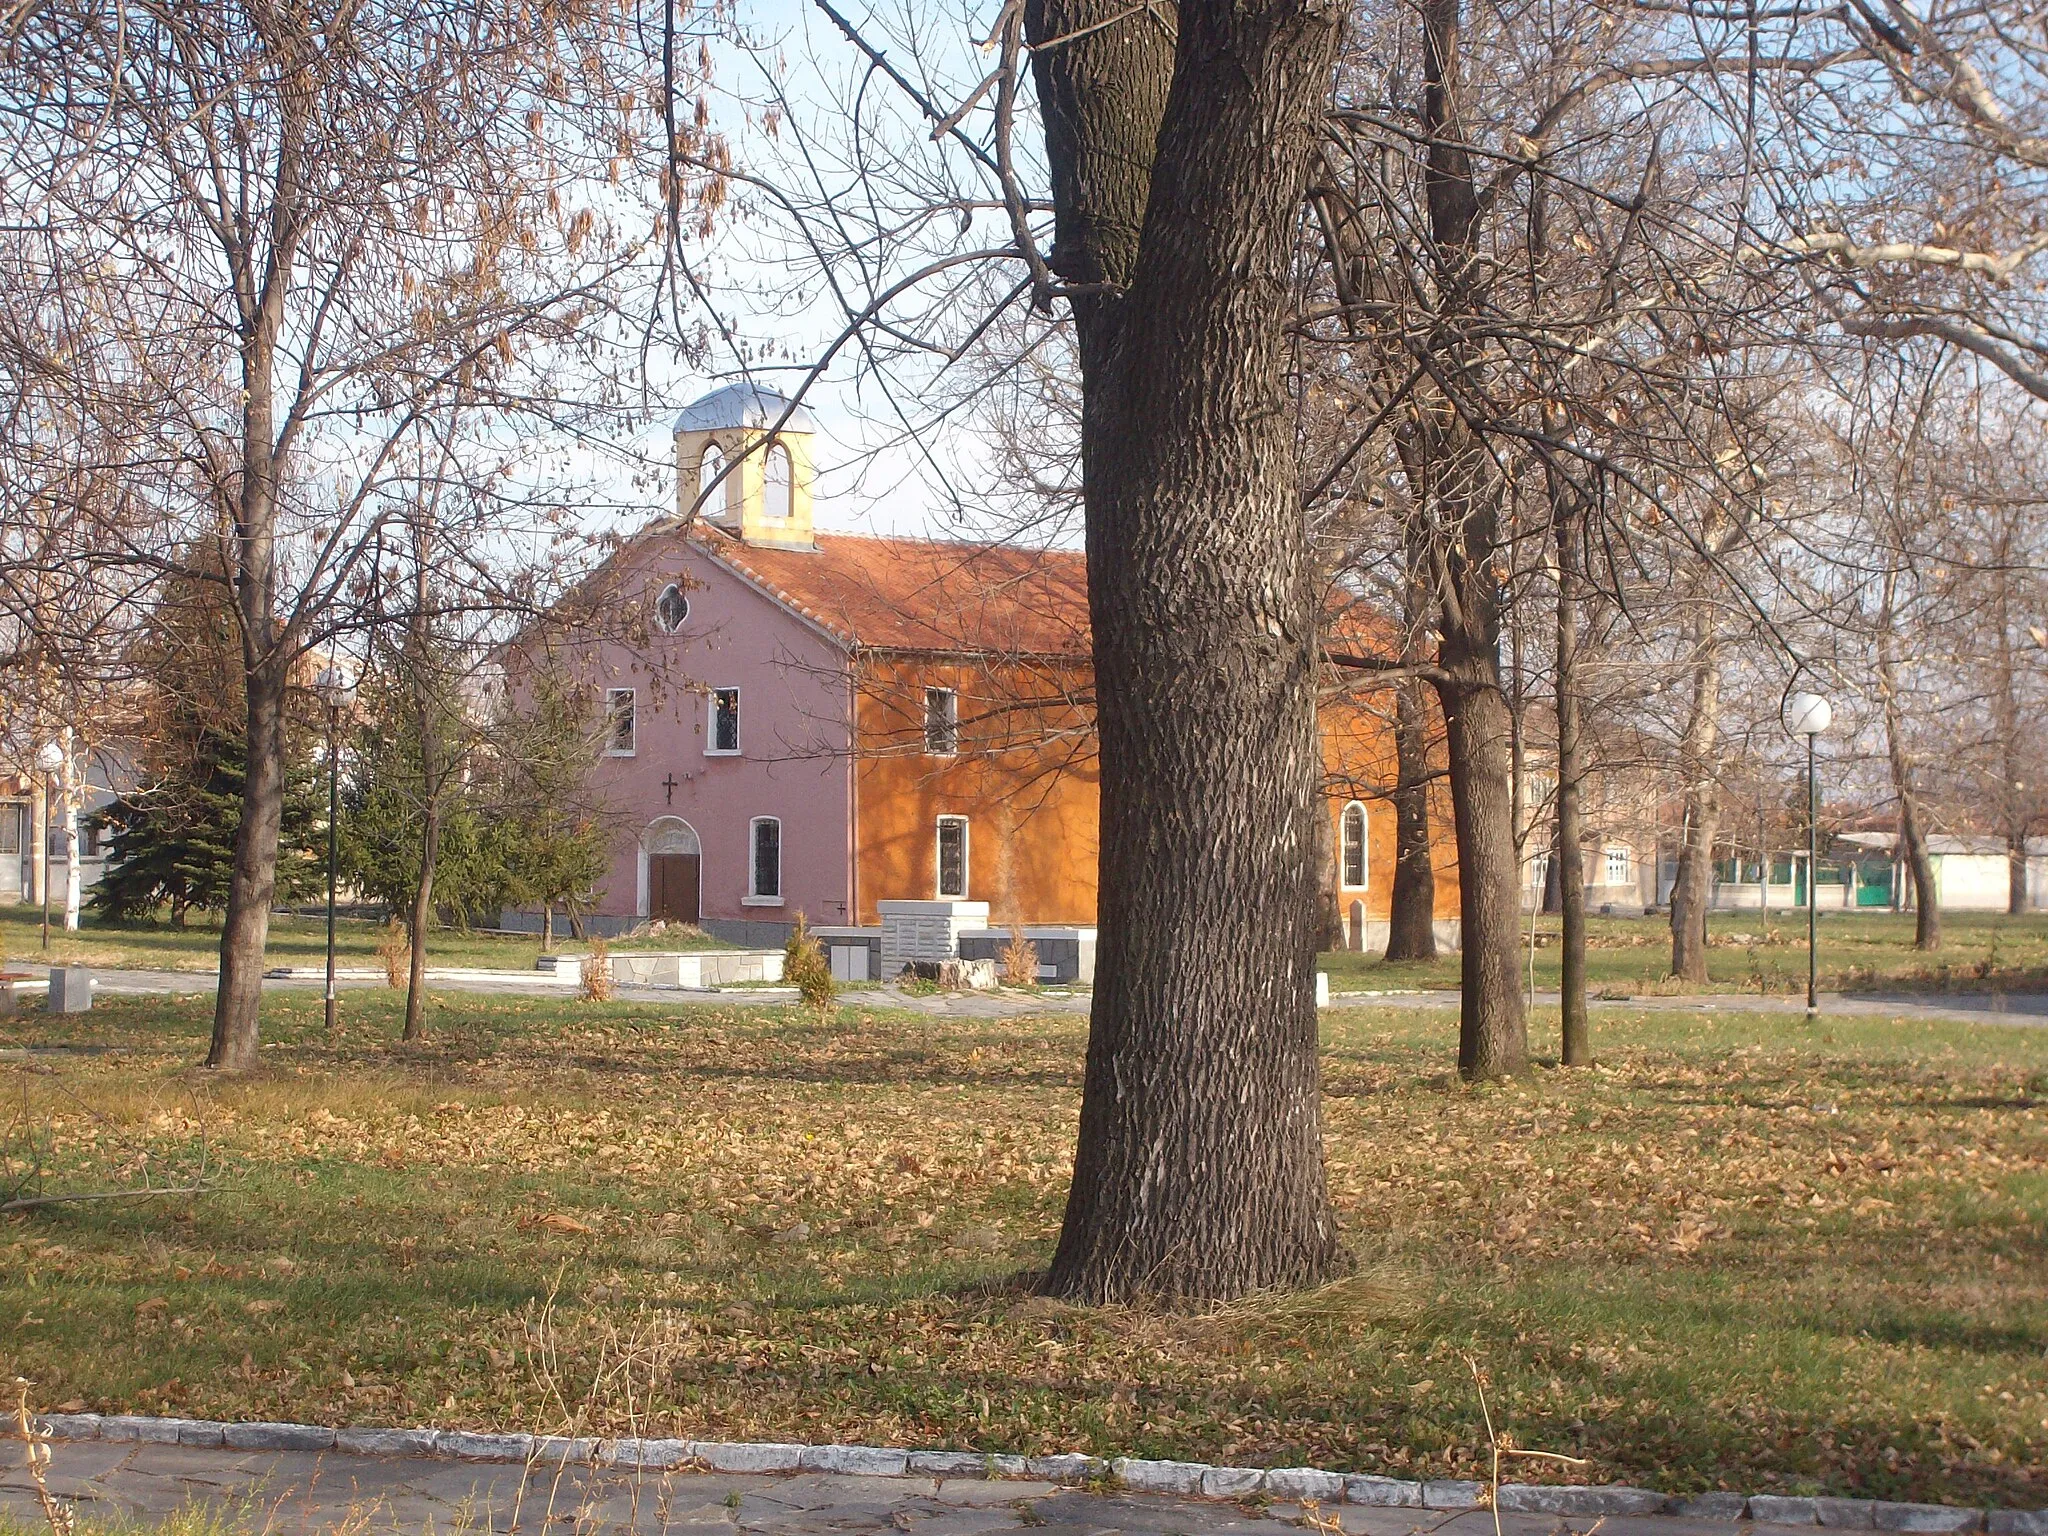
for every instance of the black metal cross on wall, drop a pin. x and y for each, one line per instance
(669, 784)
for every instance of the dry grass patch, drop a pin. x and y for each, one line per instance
(1744, 1251)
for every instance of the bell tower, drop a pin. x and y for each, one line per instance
(732, 472)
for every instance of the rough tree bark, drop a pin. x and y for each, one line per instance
(1178, 170)
(1576, 1046)
(1411, 914)
(422, 663)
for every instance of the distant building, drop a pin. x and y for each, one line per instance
(868, 731)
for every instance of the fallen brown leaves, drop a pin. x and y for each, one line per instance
(1740, 1251)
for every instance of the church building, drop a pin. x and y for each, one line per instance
(891, 736)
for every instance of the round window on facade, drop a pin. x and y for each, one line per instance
(671, 608)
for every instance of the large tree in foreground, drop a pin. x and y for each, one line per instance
(1179, 157)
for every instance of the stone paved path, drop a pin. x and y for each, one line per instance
(304, 1493)
(2017, 1008)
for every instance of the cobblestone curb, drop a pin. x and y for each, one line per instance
(1184, 1478)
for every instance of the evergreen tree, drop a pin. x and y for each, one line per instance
(172, 843)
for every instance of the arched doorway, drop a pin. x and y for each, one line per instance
(674, 871)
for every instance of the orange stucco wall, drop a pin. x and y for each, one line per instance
(1025, 779)
(1359, 759)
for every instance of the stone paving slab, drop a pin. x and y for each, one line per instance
(313, 1493)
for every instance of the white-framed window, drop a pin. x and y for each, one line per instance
(775, 479)
(671, 608)
(1351, 862)
(722, 734)
(621, 722)
(941, 722)
(1617, 871)
(709, 468)
(764, 864)
(952, 858)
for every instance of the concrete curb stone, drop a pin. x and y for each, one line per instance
(1307, 1484)
(1299, 1483)
(1231, 1482)
(746, 1456)
(565, 1450)
(1067, 1467)
(1450, 1493)
(1711, 1506)
(1141, 1476)
(644, 1455)
(1382, 1492)
(854, 1460)
(1926, 1517)
(945, 1464)
(1550, 1499)
(69, 1426)
(1777, 1509)
(278, 1437)
(385, 1442)
(153, 1431)
(465, 1446)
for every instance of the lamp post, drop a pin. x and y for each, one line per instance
(337, 693)
(1808, 714)
(49, 758)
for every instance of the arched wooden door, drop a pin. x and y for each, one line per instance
(674, 873)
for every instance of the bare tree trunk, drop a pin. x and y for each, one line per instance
(1329, 918)
(1198, 1172)
(1493, 1033)
(252, 879)
(1411, 914)
(1577, 1047)
(1927, 903)
(1692, 887)
(263, 279)
(419, 918)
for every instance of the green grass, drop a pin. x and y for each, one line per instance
(293, 941)
(1859, 951)
(1745, 1251)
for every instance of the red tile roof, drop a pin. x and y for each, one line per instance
(925, 594)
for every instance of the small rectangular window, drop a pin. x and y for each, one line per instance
(941, 721)
(621, 726)
(725, 722)
(953, 857)
(1617, 866)
(767, 859)
(11, 817)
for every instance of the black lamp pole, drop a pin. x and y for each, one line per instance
(1812, 884)
(333, 815)
(49, 801)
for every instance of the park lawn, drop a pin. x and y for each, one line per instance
(1859, 952)
(1744, 1251)
(294, 941)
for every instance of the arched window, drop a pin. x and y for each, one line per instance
(766, 882)
(709, 489)
(671, 608)
(775, 485)
(1352, 865)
